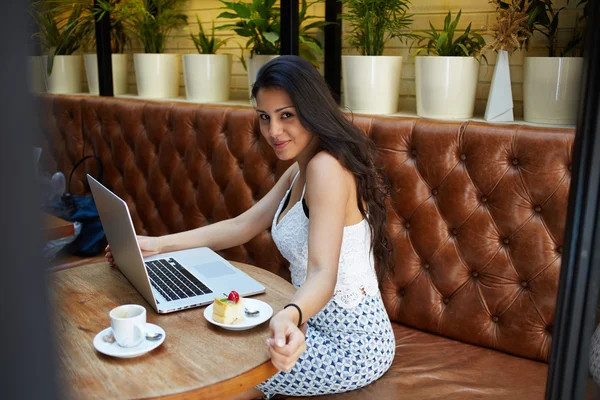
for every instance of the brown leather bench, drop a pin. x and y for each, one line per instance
(477, 218)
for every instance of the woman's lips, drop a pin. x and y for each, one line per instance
(280, 145)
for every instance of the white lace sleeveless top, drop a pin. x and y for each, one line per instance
(356, 269)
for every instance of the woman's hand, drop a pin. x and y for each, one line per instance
(149, 245)
(286, 343)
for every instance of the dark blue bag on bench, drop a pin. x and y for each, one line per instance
(91, 241)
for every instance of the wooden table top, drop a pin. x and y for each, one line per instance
(56, 228)
(197, 359)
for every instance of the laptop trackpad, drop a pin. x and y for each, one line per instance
(213, 269)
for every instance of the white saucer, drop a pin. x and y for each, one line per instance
(265, 312)
(113, 349)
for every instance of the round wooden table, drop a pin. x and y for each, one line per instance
(197, 359)
(56, 228)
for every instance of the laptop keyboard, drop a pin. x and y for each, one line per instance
(173, 281)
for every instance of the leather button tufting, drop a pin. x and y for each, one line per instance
(463, 157)
(407, 225)
(484, 199)
(559, 250)
(495, 319)
(426, 266)
(446, 300)
(434, 192)
(506, 241)
(515, 161)
(538, 209)
(524, 284)
(474, 274)
(401, 292)
(454, 232)
(570, 167)
(414, 152)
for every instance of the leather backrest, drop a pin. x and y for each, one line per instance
(477, 218)
(477, 212)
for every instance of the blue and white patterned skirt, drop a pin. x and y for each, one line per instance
(346, 349)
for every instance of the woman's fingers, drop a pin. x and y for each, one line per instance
(109, 258)
(294, 341)
(284, 358)
(286, 364)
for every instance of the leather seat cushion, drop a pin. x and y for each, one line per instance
(429, 366)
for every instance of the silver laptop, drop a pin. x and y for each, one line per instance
(168, 281)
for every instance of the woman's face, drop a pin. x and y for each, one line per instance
(279, 123)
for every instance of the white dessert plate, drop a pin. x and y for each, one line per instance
(265, 312)
(113, 349)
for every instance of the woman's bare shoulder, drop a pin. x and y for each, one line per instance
(324, 168)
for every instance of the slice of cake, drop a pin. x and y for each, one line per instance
(228, 310)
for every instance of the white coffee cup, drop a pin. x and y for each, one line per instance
(128, 323)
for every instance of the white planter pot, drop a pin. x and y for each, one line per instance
(36, 74)
(371, 83)
(551, 87)
(446, 86)
(254, 64)
(157, 75)
(207, 77)
(119, 72)
(499, 105)
(66, 76)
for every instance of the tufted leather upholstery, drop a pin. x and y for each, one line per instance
(477, 213)
(477, 219)
(178, 166)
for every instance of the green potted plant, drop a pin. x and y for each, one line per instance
(207, 74)
(446, 79)
(551, 82)
(60, 37)
(118, 42)
(509, 34)
(372, 80)
(260, 22)
(84, 29)
(150, 22)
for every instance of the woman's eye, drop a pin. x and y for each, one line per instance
(286, 115)
(264, 117)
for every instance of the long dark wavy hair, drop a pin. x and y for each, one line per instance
(338, 136)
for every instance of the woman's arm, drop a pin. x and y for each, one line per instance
(223, 234)
(329, 189)
(235, 231)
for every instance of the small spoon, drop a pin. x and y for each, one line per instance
(154, 336)
(251, 312)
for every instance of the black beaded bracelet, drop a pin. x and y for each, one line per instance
(299, 312)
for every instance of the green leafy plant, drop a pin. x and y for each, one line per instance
(543, 18)
(310, 47)
(374, 22)
(85, 19)
(260, 22)
(119, 39)
(60, 33)
(205, 44)
(442, 43)
(151, 21)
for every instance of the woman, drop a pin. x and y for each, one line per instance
(327, 216)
